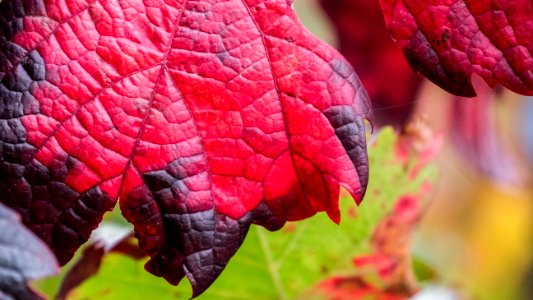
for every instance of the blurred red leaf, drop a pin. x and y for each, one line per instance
(392, 244)
(364, 40)
(340, 288)
(391, 260)
(416, 147)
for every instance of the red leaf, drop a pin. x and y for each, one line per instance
(366, 44)
(354, 288)
(448, 41)
(391, 260)
(202, 116)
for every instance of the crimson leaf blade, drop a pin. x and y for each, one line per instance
(203, 117)
(448, 41)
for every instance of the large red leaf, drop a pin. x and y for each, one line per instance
(449, 40)
(201, 116)
(363, 38)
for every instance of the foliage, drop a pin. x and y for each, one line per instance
(196, 118)
(285, 264)
(23, 257)
(201, 118)
(449, 41)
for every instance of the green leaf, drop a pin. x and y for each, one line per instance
(123, 277)
(283, 264)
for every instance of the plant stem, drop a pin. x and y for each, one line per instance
(272, 267)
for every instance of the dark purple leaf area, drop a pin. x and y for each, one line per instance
(23, 257)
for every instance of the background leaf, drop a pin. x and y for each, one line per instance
(23, 257)
(282, 265)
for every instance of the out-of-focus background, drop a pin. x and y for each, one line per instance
(477, 232)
